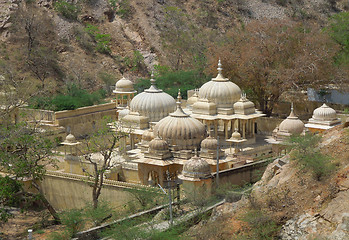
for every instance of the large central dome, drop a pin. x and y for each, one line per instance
(153, 103)
(181, 130)
(220, 90)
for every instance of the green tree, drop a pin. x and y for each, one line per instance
(339, 32)
(170, 82)
(25, 153)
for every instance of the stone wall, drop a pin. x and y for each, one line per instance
(67, 191)
(239, 176)
(85, 120)
(27, 114)
(266, 125)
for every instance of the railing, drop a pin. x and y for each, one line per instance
(107, 182)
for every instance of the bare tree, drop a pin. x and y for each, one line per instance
(100, 151)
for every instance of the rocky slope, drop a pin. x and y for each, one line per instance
(301, 206)
(139, 27)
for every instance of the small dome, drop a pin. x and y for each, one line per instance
(193, 99)
(292, 124)
(148, 135)
(324, 113)
(196, 168)
(70, 138)
(124, 85)
(220, 90)
(209, 143)
(123, 113)
(236, 135)
(244, 106)
(157, 144)
(153, 103)
(180, 129)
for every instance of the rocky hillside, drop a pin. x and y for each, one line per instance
(288, 203)
(136, 30)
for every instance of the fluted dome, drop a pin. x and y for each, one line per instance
(209, 143)
(124, 85)
(324, 113)
(180, 129)
(236, 135)
(148, 135)
(244, 106)
(153, 103)
(220, 90)
(196, 168)
(193, 99)
(291, 124)
(123, 113)
(157, 144)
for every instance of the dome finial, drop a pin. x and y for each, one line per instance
(179, 97)
(219, 67)
(152, 80)
(291, 106)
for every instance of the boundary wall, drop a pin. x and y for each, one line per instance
(67, 191)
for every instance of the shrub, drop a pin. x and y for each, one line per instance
(172, 81)
(68, 10)
(262, 226)
(307, 154)
(102, 40)
(124, 10)
(136, 63)
(74, 98)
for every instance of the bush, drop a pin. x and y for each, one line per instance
(102, 40)
(74, 98)
(136, 63)
(262, 226)
(172, 81)
(307, 154)
(68, 10)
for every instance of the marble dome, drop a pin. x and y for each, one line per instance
(196, 167)
(124, 85)
(209, 143)
(236, 135)
(324, 113)
(157, 144)
(70, 138)
(153, 103)
(220, 90)
(193, 99)
(122, 113)
(244, 106)
(291, 124)
(180, 129)
(148, 135)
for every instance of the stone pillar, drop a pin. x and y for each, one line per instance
(132, 142)
(253, 128)
(215, 122)
(243, 129)
(225, 129)
(128, 99)
(122, 145)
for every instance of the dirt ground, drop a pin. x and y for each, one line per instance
(17, 227)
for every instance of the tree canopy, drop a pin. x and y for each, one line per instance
(267, 58)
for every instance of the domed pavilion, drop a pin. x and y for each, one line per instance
(323, 118)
